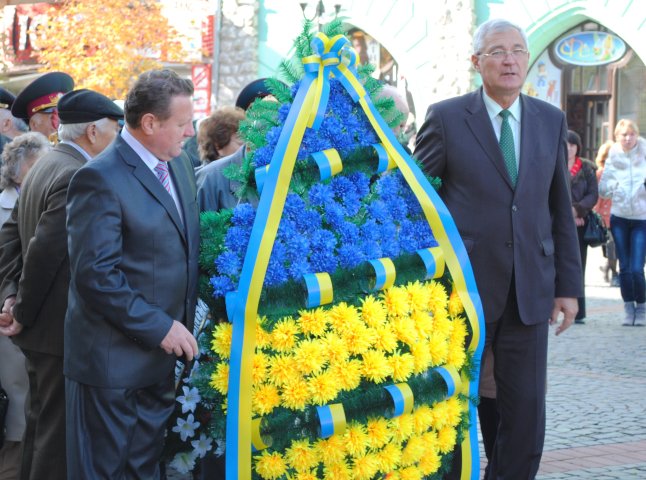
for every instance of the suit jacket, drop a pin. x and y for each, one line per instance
(134, 268)
(527, 231)
(34, 264)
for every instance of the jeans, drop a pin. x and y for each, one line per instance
(630, 243)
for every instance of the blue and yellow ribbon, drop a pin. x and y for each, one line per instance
(329, 163)
(332, 57)
(331, 419)
(433, 261)
(257, 443)
(452, 379)
(319, 289)
(385, 162)
(261, 174)
(403, 398)
(384, 273)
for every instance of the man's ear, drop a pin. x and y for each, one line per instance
(55, 120)
(147, 123)
(475, 61)
(90, 133)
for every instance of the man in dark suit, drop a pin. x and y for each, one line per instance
(34, 268)
(511, 203)
(133, 229)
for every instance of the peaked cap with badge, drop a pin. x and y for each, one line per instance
(42, 95)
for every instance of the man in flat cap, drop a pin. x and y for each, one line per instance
(35, 273)
(37, 103)
(10, 126)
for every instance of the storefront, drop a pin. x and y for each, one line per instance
(595, 77)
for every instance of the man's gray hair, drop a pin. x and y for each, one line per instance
(494, 25)
(71, 131)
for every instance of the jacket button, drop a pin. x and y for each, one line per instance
(509, 243)
(514, 208)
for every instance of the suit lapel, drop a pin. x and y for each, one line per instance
(151, 183)
(479, 123)
(529, 135)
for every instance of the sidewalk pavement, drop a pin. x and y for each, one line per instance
(596, 393)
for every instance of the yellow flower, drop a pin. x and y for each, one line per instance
(446, 439)
(410, 473)
(220, 378)
(418, 296)
(336, 348)
(402, 427)
(373, 311)
(347, 374)
(358, 337)
(295, 394)
(454, 408)
(459, 331)
(442, 325)
(322, 388)
(405, 330)
(336, 471)
(422, 357)
(389, 457)
(310, 356)
(375, 366)
(378, 432)
(301, 456)
(305, 476)
(282, 369)
(402, 365)
(413, 451)
(438, 348)
(440, 415)
(259, 367)
(270, 465)
(283, 336)
(341, 315)
(455, 306)
(456, 355)
(437, 296)
(356, 439)
(422, 419)
(331, 450)
(365, 467)
(385, 338)
(313, 322)
(264, 399)
(263, 337)
(396, 301)
(221, 341)
(430, 462)
(423, 323)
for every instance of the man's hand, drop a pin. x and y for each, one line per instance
(13, 329)
(6, 316)
(179, 341)
(569, 307)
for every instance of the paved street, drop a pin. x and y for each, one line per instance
(596, 397)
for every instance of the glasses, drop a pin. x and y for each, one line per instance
(517, 53)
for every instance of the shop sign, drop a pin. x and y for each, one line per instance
(590, 48)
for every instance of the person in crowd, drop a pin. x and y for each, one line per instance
(217, 136)
(133, 234)
(585, 193)
(506, 152)
(215, 191)
(10, 126)
(624, 182)
(37, 103)
(17, 158)
(603, 208)
(34, 268)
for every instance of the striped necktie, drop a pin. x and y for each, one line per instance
(507, 147)
(161, 169)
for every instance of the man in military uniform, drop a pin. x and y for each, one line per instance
(37, 103)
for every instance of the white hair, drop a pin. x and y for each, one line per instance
(72, 131)
(493, 26)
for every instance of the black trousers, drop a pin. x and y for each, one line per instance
(44, 442)
(116, 433)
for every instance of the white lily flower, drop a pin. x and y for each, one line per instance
(189, 400)
(201, 445)
(184, 462)
(186, 428)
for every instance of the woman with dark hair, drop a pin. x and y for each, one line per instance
(217, 135)
(623, 180)
(583, 184)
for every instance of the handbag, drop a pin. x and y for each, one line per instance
(595, 233)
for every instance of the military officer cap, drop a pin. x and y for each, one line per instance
(256, 89)
(82, 106)
(6, 98)
(42, 95)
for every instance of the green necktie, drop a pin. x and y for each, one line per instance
(507, 147)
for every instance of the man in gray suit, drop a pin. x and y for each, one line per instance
(502, 160)
(34, 269)
(133, 233)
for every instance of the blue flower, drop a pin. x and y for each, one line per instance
(334, 215)
(348, 232)
(370, 230)
(243, 215)
(294, 207)
(298, 269)
(221, 285)
(228, 263)
(276, 271)
(321, 194)
(378, 211)
(237, 239)
(350, 255)
(372, 250)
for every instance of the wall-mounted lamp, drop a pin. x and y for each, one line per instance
(320, 10)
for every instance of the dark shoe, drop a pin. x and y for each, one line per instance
(579, 321)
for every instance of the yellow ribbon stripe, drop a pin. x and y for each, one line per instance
(329, 163)
(384, 273)
(403, 398)
(332, 419)
(256, 439)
